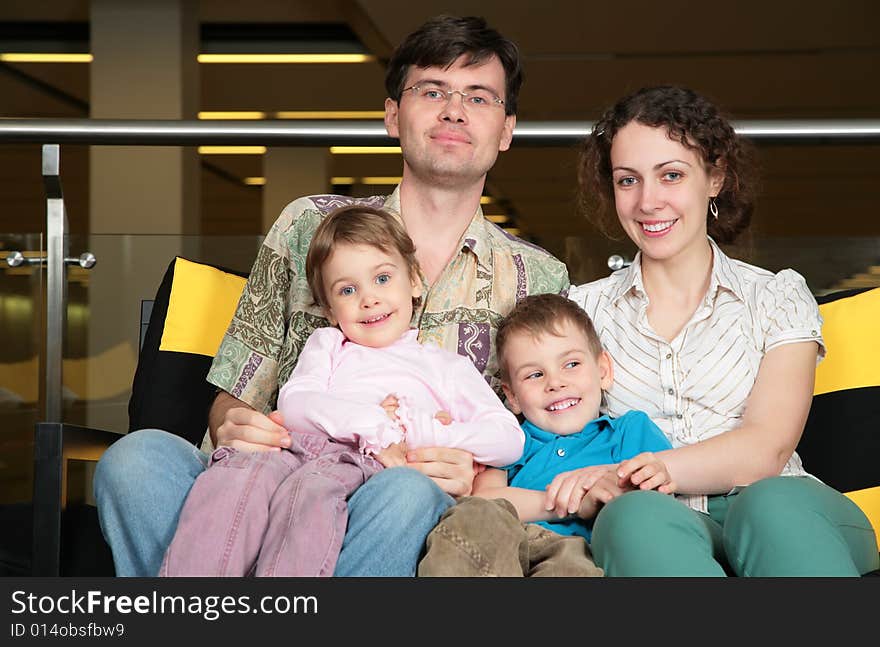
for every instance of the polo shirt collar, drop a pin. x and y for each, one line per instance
(591, 428)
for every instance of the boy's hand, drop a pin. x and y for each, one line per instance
(566, 490)
(603, 491)
(646, 472)
(393, 455)
(608, 487)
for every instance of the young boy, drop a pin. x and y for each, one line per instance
(553, 372)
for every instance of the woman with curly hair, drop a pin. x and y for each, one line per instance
(719, 353)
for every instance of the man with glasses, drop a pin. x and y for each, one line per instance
(452, 88)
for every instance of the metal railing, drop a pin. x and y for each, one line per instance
(135, 132)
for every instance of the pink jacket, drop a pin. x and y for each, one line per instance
(337, 387)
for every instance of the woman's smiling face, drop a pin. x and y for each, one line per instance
(661, 190)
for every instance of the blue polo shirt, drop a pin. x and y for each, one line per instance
(603, 440)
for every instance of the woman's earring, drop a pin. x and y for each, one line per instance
(713, 208)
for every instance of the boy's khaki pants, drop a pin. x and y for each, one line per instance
(485, 538)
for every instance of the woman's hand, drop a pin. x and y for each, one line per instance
(646, 471)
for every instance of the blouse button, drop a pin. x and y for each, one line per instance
(813, 333)
(678, 415)
(671, 391)
(668, 355)
(560, 452)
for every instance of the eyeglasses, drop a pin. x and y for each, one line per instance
(431, 93)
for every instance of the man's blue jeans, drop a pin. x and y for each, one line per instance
(142, 481)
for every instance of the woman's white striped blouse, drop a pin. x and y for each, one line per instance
(697, 385)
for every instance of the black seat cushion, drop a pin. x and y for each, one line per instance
(192, 309)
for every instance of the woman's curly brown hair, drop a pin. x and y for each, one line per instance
(694, 121)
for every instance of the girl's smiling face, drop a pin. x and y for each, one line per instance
(370, 293)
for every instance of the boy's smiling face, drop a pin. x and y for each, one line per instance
(555, 381)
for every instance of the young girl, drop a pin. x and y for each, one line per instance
(720, 354)
(362, 393)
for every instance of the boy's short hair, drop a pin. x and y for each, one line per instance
(356, 225)
(541, 314)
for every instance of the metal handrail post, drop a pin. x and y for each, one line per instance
(56, 285)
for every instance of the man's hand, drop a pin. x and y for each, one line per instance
(646, 471)
(451, 469)
(393, 455)
(252, 431)
(235, 424)
(566, 490)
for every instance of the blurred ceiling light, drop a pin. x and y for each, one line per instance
(498, 219)
(11, 57)
(232, 150)
(486, 199)
(513, 231)
(381, 179)
(365, 150)
(255, 181)
(330, 114)
(286, 58)
(40, 57)
(241, 114)
(292, 114)
(370, 179)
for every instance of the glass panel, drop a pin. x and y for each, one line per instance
(104, 313)
(100, 348)
(21, 334)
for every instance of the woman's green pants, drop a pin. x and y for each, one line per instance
(777, 527)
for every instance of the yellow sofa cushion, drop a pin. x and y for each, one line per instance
(869, 501)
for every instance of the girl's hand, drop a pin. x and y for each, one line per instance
(390, 404)
(443, 417)
(646, 472)
(566, 490)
